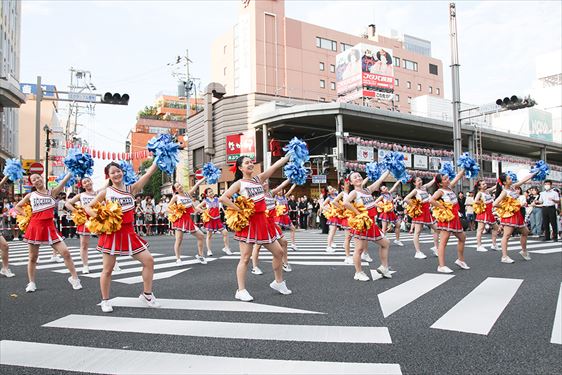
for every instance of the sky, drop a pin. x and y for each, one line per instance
(126, 45)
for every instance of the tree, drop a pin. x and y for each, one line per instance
(152, 188)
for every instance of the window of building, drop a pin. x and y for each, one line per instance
(198, 158)
(322, 84)
(333, 85)
(438, 91)
(326, 44)
(224, 50)
(332, 68)
(409, 84)
(396, 82)
(396, 97)
(419, 87)
(430, 90)
(410, 65)
(322, 99)
(397, 61)
(409, 100)
(321, 66)
(345, 46)
(433, 69)
(224, 70)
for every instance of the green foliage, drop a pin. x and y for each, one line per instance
(152, 188)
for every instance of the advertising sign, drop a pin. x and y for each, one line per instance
(365, 153)
(240, 144)
(420, 162)
(407, 157)
(319, 179)
(434, 163)
(368, 68)
(540, 124)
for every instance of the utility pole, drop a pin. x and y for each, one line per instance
(47, 147)
(38, 98)
(187, 107)
(457, 135)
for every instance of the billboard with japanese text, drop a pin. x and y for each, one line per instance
(240, 144)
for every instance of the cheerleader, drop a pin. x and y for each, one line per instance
(425, 218)
(445, 192)
(125, 241)
(365, 196)
(486, 217)
(271, 216)
(389, 217)
(214, 225)
(345, 187)
(185, 223)
(259, 231)
(4, 247)
(334, 221)
(41, 229)
(284, 221)
(506, 188)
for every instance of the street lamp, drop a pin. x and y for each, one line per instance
(47, 148)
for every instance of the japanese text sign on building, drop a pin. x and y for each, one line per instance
(240, 144)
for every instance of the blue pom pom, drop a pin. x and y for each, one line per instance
(297, 150)
(541, 170)
(211, 173)
(13, 169)
(470, 166)
(448, 170)
(79, 164)
(70, 183)
(165, 152)
(297, 173)
(394, 162)
(374, 170)
(512, 175)
(129, 175)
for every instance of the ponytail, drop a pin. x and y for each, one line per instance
(499, 184)
(238, 173)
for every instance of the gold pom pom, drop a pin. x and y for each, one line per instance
(79, 216)
(280, 209)
(444, 214)
(330, 212)
(205, 217)
(23, 220)
(359, 222)
(385, 206)
(176, 211)
(479, 207)
(508, 207)
(238, 220)
(414, 208)
(109, 216)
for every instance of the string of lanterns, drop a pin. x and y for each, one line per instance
(109, 155)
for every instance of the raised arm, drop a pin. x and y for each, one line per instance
(60, 186)
(491, 190)
(457, 178)
(196, 186)
(377, 184)
(143, 180)
(523, 181)
(98, 199)
(269, 171)
(226, 197)
(429, 184)
(280, 187)
(3, 180)
(393, 188)
(365, 181)
(288, 193)
(23, 202)
(70, 204)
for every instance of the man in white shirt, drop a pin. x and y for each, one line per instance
(549, 199)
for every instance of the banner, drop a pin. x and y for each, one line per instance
(407, 157)
(540, 124)
(365, 153)
(420, 162)
(434, 163)
(240, 144)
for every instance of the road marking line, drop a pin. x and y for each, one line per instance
(131, 261)
(556, 337)
(156, 267)
(157, 276)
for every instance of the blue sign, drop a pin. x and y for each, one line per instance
(31, 88)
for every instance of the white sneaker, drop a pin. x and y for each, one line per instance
(15, 239)
(398, 242)
(366, 257)
(106, 306)
(6, 272)
(201, 259)
(54, 259)
(348, 260)
(59, 259)
(294, 247)
(494, 247)
(330, 249)
(280, 287)
(179, 262)
(524, 254)
(287, 267)
(384, 271)
(209, 253)
(152, 302)
(361, 276)
(481, 249)
(434, 251)
(256, 271)
(116, 268)
(75, 282)
(226, 250)
(444, 269)
(420, 255)
(507, 260)
(243, 295)
(31, 287)
(462, 264)
(85, 269)
(335, 245)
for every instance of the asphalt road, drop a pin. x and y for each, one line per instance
(493, 318)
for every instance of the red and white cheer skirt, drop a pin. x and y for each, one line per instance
(284, 221)
(487, 216)
(123, 242)
(372, 234)
(81, 230)
(42, 232)
(185, 223)
(425, 217)
(214, 225)
(259, 231)
(516, 220)
(454, 225)
(389, 217)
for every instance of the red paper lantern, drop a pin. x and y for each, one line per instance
(103, 155)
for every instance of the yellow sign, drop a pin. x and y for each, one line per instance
(26, 163)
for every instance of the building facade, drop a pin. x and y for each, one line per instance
(268, 53)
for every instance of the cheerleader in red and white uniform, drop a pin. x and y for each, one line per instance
(389, 217)
(271, 204)
(332, 222)
(365, 196)
(4, 247)
(425, 218)
(185, 224)
(486, 217)
(454, 226)
(345, 187)
(259, 230)
(214, 225)
(125, 241)
(284, 221)
(504, 188)
(41, 229)
(84, 198)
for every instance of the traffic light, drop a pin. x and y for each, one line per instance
(109, 98)
(308, 168)
(515, 102)
(325, 166)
